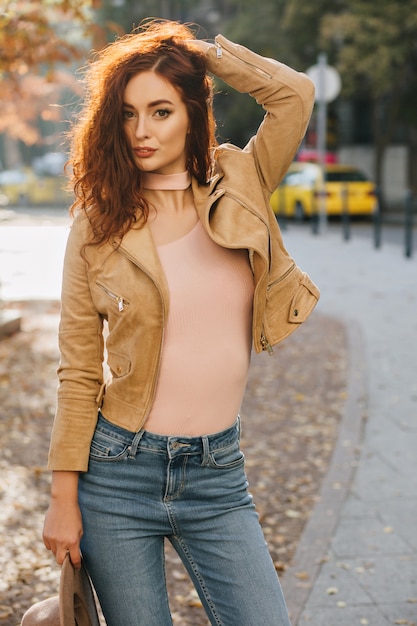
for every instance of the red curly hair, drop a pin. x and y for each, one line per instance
(105, 178)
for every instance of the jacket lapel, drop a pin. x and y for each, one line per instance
(231, 223)
(139, 247)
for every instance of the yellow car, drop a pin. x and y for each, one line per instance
(302, 193)
(21, 186)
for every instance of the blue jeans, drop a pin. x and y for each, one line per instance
(142, 487)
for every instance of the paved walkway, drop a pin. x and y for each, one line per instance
(357, 560)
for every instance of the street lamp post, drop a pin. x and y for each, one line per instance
(327, 83)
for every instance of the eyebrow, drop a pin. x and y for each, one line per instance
(151, 104)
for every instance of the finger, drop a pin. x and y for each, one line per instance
(49, 545)
(60, 554)
(49, 542)
(75, 556)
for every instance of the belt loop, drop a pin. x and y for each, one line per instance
(206, 450)
(133, 448)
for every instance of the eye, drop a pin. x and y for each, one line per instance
(162, 113)
(128, 114)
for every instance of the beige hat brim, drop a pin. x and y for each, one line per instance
(44, 613)
(74, 605)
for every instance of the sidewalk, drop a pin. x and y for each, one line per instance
(357, 560)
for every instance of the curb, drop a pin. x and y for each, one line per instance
(10, 323)
(299, 579)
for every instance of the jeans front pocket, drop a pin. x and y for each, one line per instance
(229, 457)
(105, 447)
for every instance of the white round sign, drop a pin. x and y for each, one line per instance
(330, 83)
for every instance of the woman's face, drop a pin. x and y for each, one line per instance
(156, 123)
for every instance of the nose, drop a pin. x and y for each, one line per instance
(142, 131)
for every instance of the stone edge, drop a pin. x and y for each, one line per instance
(298, 580)
(10, 323)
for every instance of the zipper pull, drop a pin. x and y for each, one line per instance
(120, 304)
(266, 345)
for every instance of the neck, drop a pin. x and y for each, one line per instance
(180, 181)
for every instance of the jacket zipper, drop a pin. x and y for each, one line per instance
(281, 278)
(266, 345)
(121, 302)
(247, 207)
(257, 69)
(264, 341)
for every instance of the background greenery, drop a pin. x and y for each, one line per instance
(372, 44)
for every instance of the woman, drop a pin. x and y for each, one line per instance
(175, 246)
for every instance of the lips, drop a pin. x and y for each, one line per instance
(144, 152)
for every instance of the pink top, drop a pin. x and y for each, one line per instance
(207, 343)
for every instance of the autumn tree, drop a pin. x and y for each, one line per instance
(376, 53)
(38, 41)
(373, 45)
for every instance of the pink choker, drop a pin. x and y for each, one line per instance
(166, 181)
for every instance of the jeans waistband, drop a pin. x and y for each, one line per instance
(171, 444)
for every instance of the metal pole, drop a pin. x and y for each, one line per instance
(345, 214)
(377, 219)
(408, 223)
(315, 208)
(321, 138)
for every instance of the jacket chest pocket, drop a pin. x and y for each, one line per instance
(119, 364)
(117, 299)
(290, 300)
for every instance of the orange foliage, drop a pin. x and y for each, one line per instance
(34, 46)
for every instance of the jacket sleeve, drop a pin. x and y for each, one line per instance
(80, 369)
(286, 95)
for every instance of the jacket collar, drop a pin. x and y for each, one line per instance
(231, 227)
(235, 224)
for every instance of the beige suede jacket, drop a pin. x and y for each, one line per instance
(123, 282)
